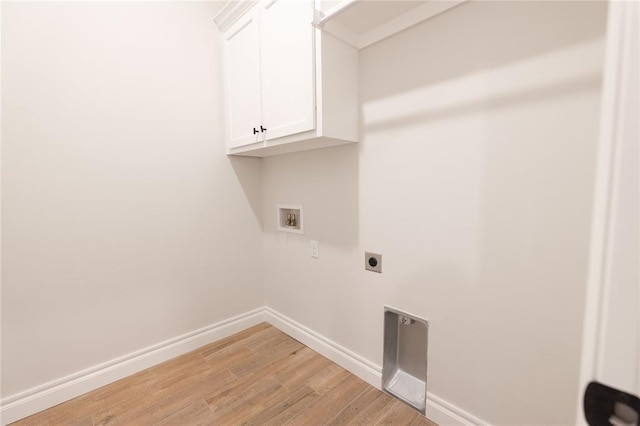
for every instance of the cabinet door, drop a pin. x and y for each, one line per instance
(242, 45)
(288, 81)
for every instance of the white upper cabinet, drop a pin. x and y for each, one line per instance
(287, 68)
(243, 80)
(289, 87)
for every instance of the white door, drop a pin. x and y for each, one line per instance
(611, 351)
(242, 51)
(287, 67)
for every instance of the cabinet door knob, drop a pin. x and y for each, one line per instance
(255, 130)
(262, 129)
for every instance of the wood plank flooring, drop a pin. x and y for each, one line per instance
(259, 376)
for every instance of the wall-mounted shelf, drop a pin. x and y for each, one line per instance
(364, 22)
(290, 218)
(231, 11)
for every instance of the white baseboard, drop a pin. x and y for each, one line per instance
(342, 356)
(31, 401)
(445, 413)
(39, 398)
(438, 410)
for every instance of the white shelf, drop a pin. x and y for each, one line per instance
(362, 23)
(231, 11)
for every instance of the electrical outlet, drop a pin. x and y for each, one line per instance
(373, 262)
(315, 249)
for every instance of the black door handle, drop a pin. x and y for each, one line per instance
(262, 129)
(601, 403)
(255, 130)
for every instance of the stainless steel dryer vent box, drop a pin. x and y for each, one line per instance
(404, 367)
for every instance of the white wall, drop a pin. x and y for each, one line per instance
(124, 222)
(474, 179)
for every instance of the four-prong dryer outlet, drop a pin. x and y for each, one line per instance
(373, 262)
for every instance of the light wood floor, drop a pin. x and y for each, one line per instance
(259, 376)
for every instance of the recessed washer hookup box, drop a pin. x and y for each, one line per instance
(404, 367)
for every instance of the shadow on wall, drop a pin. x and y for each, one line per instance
(247, 170)
(325, 182)
(314, 292)
(480, 36)
(495, 55)
(501, 101)
(483, 123)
